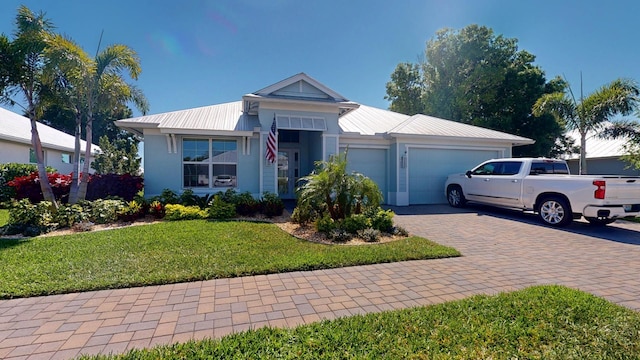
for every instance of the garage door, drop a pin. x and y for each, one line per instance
(429, 168)
(371, 163)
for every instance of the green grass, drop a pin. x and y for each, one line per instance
(4, 217)
(180, 251)
(548, 322)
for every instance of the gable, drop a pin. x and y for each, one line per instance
(301, 89)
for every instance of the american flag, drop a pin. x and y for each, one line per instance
(271, 143)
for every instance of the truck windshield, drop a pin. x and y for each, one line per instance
(549, 168)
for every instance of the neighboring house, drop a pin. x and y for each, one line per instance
(15, 143)
(603, 156)
(223, 146)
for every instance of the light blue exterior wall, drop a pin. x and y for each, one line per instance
(162, 169)
(249, 167)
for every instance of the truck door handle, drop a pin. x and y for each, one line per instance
(487, 179)
(514, 181)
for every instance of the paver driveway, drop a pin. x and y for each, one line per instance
(501, 250)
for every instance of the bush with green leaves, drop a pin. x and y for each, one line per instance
(381, 219)
(355, 223)
(220, 209)
(68, 215)
(132, 210)
(339, 235)
(330, 189)
(303, 214)
(181, 212)
(105, 211)
(167, 196)
(30, 219)
(271, 205)
(246, 204)
(326, 224)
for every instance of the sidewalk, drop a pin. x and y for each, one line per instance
(520, 255)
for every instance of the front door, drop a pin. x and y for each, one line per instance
(288, 172)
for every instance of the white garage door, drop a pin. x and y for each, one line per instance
(429, 168)
(371, 163)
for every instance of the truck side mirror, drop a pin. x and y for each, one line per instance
(468, 173)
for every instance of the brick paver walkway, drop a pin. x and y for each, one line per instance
(502, 252)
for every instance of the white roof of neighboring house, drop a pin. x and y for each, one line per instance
(240, 118)
(597, 147)
(17, 128)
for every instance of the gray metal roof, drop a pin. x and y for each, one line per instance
(17, 128)
(221, 117)
(368, 120)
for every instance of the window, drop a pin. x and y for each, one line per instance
(209, 163)
(66, 158)
(32, 156)
(549, 167)
(499, 168)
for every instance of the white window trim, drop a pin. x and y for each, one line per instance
(210, 163)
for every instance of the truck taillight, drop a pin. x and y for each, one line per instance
(600, 191)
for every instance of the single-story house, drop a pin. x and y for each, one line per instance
(603, 156)
(212, 148)
(15, 143)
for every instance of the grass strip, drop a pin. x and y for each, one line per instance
(542, 322)
(181, 251)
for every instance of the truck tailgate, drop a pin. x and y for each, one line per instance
(623, 189)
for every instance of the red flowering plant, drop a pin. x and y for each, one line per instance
(28, 187)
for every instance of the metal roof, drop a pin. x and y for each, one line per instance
(368, 120)
(17, 128)
(221, 117)
(597, 147)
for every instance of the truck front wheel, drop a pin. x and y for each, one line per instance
(555, 211)
(455, 196)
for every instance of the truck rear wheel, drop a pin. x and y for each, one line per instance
(455, 196)
(555, 211)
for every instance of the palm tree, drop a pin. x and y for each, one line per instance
(589, 114)
(629, 130)
(21, 74)
(87, 85)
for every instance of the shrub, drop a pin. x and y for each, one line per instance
(131, 211)
(167, 196)
(381, 219)
(181, 212)
(303, 214)
(187, 198)
(31, 219)
(326, 224)
(339, 235)
(246, 204)
(28, 187)
(69, 215)
(11, 171)
(83, 226)
(271, 205)
(369, 235)
(220, 209)
(399, 231)
(124, 186)
(355, 223)
(156, 209)
(105, 211)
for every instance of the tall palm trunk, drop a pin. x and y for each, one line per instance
(84, 178)
(583, 153)
(45, 186)
(75, 175)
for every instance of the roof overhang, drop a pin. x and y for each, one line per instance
(512, 142)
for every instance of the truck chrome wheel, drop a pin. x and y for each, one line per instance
(555, 211)
(455, 196)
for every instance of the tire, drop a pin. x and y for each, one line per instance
(455, 196)
(555, 211)
(599, 222)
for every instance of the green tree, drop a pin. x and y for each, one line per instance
(479, 78)
(91, 86)
(405, 90)
(329, 188)
(118, 157)
(629, 130)
(586, 114)
(22, 75)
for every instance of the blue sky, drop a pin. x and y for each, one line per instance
(202, 52)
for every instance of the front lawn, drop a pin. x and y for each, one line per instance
(180, 251)
(543, 322)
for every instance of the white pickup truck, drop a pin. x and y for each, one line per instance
(545, 187)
